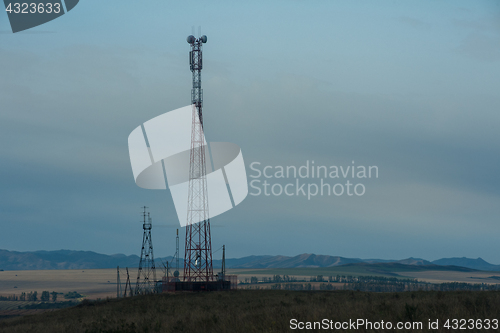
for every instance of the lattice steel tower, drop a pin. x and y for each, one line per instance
(198, 248)
(147, 269)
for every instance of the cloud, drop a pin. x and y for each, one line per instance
(413, 22)
(426, 119)
(480, 46)
(482, 36)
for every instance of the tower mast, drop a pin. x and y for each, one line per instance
(198, 247)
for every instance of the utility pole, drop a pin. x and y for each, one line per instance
(118, 282)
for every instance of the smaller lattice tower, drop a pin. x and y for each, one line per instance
(146, 275)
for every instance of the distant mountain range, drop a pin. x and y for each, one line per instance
(66, 259)
(63, 259)
(478, 263)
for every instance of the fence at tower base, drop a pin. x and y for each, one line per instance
(172, 284)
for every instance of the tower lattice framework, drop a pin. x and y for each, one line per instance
(198, 246)
(146, 275)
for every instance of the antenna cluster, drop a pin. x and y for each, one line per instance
(192, 40)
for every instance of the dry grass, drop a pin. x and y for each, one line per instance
(92, 283)
(256, 311)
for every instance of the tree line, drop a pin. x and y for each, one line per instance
(365, 283)
(32, 296)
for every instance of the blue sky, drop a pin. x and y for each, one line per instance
(411, 87)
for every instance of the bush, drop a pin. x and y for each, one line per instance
(72, 295)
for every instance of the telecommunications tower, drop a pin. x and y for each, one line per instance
(198, 248)
(147, 269)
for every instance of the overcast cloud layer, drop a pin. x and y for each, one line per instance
(411, 87)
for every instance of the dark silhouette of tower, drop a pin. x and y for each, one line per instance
(146, 275)
(176, 256)
(118, 283)
(127, 286)
(198, 247)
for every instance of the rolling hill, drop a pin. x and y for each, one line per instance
(67, 259)
(478, 263)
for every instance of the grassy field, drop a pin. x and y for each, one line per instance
(101, 283)
(93, 283)
(467, 277)
(11, 309)
(240, 311)
(260, 311)
(308, 272)
(422, 274)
